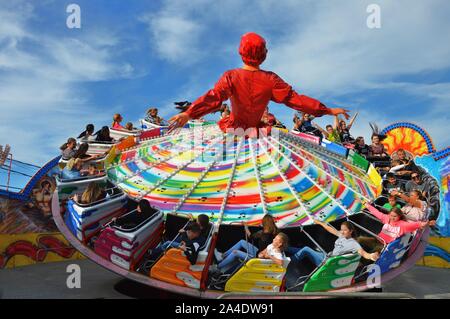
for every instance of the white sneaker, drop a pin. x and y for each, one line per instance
(218, 255)
(213, 268)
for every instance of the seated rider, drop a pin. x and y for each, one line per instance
(92, 170)
(377, 149)
(330, 133)
(415, 208)
(152, 117)
(361, 147)
(392, 202)
(73, 167)
(117, 118)
(243, 248)
(87, 135)
(189, 241)
(395, 225)
(103, 135)
(275, 251)
(250, 89)
(345, 244)
(143, 211)
(68, 149)
(304, 124)
(93, 193)
(205, 226)
(392, 183)
(232, 258)
(344, 130)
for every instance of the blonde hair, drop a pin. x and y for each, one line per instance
(72, 162)
(285, 239)
(92, 192)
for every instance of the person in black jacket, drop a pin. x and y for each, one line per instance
(392, 183)
(264, 237)
(361, 147)
(88, 133)
(243, 249)
(188, 241)
(103, 135)
(203, 221)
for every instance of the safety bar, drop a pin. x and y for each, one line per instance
(99, 201)
(173, 240)
(79, 179)
(312, 239)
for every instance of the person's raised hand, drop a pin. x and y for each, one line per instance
(178, 120)
(338, 111)
(374, 256)
(423, 225)
(247, 231)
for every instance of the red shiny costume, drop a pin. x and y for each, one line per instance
(251, 91)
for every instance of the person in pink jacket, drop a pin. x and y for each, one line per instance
(395, 226)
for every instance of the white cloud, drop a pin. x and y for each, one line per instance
(175, 38)
(339, 53)
(12, 18)
(323, 48)
(42, 97)
(326, 50)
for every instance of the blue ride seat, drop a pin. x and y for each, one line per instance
(392, 255)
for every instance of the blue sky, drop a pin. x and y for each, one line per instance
(129, 55)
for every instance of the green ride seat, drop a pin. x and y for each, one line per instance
(336, 272)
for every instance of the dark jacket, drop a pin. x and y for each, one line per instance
(261, 240)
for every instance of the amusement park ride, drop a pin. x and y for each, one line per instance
(232, 179)
(235, 180)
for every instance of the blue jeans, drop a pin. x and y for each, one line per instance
(165, 245)
(233, 256)
(297, 254)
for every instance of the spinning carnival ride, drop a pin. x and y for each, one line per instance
(232, 179)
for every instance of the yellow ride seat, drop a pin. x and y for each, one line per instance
(257, 275)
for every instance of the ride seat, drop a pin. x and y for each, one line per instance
(392, 255)
(258, 275)
(175, 268)
(335, 272)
